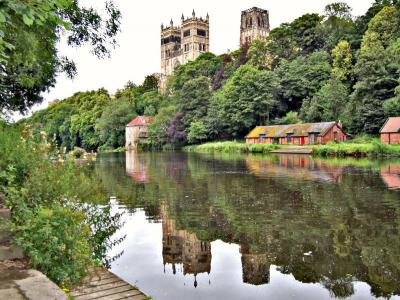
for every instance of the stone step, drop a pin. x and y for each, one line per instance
(10, 252)
(5, 213)
(4, 233)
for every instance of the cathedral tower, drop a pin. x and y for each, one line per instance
(254, 25)
(180, 44)
(195, 37)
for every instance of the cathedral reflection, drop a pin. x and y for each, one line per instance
(255, 267)
(181, 247)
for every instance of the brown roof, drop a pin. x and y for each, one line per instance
(140, 121)
(295, 130)
(392, 125)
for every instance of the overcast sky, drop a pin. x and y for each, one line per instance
(138, 53)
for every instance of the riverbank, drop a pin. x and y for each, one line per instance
(373, 149)
(232, 147)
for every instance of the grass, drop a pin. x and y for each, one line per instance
(359, 147)
(371, 149)
(231, 147)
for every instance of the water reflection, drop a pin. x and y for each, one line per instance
(391, 176)
(328, 223)
(300, 166)
(183, 247)
(136, 167)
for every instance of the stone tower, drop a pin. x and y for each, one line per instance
(195, 37)
(254, 25)
(180, 44)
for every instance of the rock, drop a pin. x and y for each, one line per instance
(5, 213)
(10, 252)
(16, 283)
(2, 200)
(38, 287)
(4, 235)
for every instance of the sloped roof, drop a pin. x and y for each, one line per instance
(140, 121)
(296, 130)
(392, 125)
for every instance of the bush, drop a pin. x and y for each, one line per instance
(58, 233)
(56, 241)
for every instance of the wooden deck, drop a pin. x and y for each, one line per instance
(293, 150)
(102, 284)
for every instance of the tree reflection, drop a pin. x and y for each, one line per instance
(331, 222)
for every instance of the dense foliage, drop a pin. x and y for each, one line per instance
(331, 67)
(29, 33)
(57, 219)
(94, 119)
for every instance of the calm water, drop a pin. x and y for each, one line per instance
(253, 227)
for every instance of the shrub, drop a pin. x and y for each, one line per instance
(56, 241)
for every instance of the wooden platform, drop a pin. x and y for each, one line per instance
(293, 150)
(102, 284)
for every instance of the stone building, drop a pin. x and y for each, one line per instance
(136, 130)
(254, 25)
(180, 44)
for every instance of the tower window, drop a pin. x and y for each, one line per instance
(201, 32)
(186, 33)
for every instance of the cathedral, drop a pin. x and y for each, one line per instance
(185, 42)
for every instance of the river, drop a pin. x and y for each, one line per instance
(255, 227)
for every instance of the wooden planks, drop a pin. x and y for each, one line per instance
(102, 284)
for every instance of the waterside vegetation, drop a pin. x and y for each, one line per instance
(351, 148)
(59, 215)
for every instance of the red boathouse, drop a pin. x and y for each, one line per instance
(390, 132)
(297, 134)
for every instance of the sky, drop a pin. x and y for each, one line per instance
(138, 51)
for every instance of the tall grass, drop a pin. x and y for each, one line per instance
(372, 149)
(231, 147)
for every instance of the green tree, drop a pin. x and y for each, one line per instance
(328, 104)
(338, 25)
(193, 99)
(245, 100)
(29, 32)
(197, 132)
(301, 78)
(157, 131)
(342, 61)
(375, 79)
(258, 55)
(110, 127)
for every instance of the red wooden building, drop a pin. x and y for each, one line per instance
(297, 134)
(390, 132)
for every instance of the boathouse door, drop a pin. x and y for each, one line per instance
(302, 140)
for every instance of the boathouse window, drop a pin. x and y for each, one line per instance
(313, 137)
(262, 137)
(335, 136)
(289, 138)
(276, 140)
